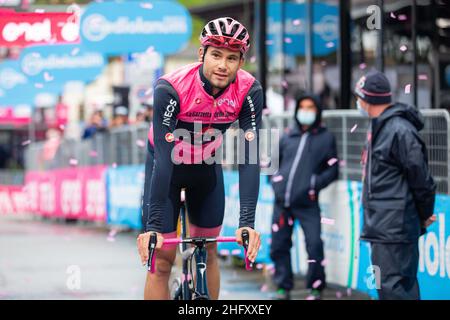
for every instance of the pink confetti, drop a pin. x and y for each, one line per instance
(235, 252)
(150, 49)
(110, 239)
(285, 84)
(349, 292)
(62, 127)
(266, 111)
(149, 92)
(264, 288)
(277, 178)
(330, 44)
(296, 22)
(342, 163)
(269, 241)
(324, 262)
(93, 154)
(275, 228)
(338, 294)
(39, 85)
(327, 221)
(288, 40)
(402, 17)
(73, 162)
(140, 143)
(290, 221)
(332, 161)
(310, 298)
(75, 51)
(353, 128)
(269, 42)
(408, 89)
(423, 77)
(253, 59)
(403, 48)
(362, 66)
(393, 16)
(26, 142)
(48, 77)
(311, 261)
(316, 284)
(146, 5)
(259, 266)
(224, 252)
(114, 165)
(39, 10)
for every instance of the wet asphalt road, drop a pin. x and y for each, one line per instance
(43, 259)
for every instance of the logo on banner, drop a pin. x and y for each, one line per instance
(96, 27)
(23, 29)
(34, 63)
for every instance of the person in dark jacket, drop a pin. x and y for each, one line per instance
(398, 190)
(308, 163)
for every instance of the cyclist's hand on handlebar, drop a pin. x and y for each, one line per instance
(142, 243)
(254, 242)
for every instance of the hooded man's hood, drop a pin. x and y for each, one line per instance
(405, 111)
(317, 123)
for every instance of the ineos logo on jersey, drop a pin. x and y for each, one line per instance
(170, 108)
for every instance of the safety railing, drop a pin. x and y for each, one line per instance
(128, 145)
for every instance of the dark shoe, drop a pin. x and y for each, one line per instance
(281, 294)
(314, 295)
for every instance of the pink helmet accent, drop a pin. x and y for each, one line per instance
(225, 33)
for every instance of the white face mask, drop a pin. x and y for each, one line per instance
(306, 117)
(363, 111)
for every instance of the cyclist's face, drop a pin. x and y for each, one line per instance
(220, 65)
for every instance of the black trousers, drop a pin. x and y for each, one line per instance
(398, 264)
(282, 242)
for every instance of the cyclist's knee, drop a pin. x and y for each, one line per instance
(212, 252)
(164, 263)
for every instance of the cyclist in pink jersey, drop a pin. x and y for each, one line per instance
(209, 95)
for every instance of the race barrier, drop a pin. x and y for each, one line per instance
(113, 195)
(72, 193)
(12, 200)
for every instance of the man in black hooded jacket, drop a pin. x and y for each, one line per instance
(398, 190)
(308, 163)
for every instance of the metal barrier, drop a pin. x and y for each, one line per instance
(350, 129)
(127, 145)
(11, 177)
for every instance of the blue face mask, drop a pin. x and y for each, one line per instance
(306, 117)
(363, 111)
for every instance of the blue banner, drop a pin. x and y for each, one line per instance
(16, 89)
(325, 28)
(61, 63)
(127, 27)
(263, 215)
(434, 262)
(125, 185)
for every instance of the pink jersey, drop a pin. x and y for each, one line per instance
(196, 105)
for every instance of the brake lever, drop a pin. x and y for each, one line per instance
(151, 250)
(245, 242)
